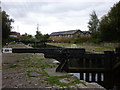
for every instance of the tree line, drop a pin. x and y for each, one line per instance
(106, 29)
(6, 26)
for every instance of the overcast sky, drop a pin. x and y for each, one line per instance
(54, 15)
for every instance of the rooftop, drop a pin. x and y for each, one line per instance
(65, 32)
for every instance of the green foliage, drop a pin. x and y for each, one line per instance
(13, 66)
(80, 38)
(54, 80)
(12, 43)
(42, 65)
(64, 76)
(76, 39)
(38, 63)
(93, 24)
(29, 73)
(6, 27)
(110, 25)
(46, 37)
(11, 39)
(40, 37)
(44, 73)
(62, 40)
(105, 48)
(27, 37)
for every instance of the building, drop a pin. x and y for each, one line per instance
(14, 34)
(68, 34)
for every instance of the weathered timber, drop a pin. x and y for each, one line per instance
(102, 68)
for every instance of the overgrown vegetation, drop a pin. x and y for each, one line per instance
(13, 66)
(105, 47)
(108, 28)
(110, 25)
(6, 27)
(76, 39)
(30, 61)
(80, 39)
(89, 47)
(53, 80)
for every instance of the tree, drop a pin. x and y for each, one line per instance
(39, 36)
(105, 32)
(93, 24)
(6, 26)
(46, 37)
(27, 37)
(110, 24)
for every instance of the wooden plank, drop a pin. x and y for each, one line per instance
(93, 77)
(82, 68)
(81, 76)
(99, 77)
(87, 77)
(116, 65)
(27, 50)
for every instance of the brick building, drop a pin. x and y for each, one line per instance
(69, 33)
(15, 34)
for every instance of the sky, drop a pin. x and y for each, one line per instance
(53, 15)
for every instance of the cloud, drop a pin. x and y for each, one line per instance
(58, 0)
(53, 16)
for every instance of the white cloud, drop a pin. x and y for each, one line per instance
(54, 15)
(58, 0)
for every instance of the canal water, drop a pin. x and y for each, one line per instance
(90, 76)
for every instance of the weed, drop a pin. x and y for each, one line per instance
(64, 76)
(42, 64)
(105, 48)
(24, 60)
(54, 80)
(77, 81)
(44, 73)
(38, 63)
(13, 66)
(12, 43)
(108, 47)
(30, 71)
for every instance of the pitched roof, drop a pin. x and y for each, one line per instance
(70, 32)
(85, 32)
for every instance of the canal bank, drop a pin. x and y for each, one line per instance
(28, 70)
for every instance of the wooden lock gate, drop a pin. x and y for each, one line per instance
(101, 68)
